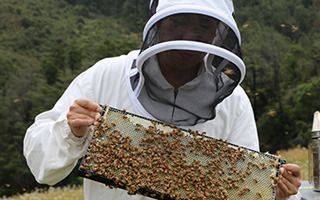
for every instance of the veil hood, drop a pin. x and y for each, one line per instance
(224, 68)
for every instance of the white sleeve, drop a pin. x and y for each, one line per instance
(50, 148)
(242, 129)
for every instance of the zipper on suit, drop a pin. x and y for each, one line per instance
(175, 93)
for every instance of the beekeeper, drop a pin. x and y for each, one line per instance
(187, 73)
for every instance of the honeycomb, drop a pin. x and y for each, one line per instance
(161, 161)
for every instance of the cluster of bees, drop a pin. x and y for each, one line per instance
(176, 164)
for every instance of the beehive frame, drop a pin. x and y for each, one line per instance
(154, 159)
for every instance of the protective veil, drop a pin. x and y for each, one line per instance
(188, 29)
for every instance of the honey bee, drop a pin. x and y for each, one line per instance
(110, 186)
(260, 195)
(272, 112)
(229, 71)
(294, 28)
(241, 192)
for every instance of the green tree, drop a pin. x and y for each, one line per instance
(74, 56)
(54, 61)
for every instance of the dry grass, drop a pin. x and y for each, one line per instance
(297, 156)
(65, 193)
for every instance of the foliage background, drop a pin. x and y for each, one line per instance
(45, 44)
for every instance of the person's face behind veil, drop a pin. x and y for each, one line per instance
(191, 27)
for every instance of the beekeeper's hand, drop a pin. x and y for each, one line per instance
(289, 181)
(82, 114)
